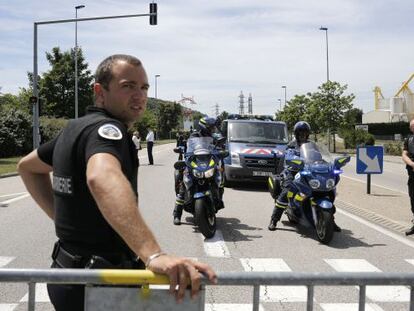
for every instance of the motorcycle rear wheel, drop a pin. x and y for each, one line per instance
(325, 226)
(206, 224)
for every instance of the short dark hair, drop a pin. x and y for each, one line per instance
(103, 74)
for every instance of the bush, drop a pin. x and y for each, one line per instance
(15, 132)
(394, 148)
(354, 138)
(50, 127)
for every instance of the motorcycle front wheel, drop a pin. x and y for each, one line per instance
(325, 226)
(206, 224)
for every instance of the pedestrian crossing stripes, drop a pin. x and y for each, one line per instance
(375, 293)
(230, 307)
(8, 306)
(348, 307)
(274, 293)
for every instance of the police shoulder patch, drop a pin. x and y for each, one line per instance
(110, 131)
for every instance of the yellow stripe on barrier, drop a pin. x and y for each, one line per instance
(133, 277)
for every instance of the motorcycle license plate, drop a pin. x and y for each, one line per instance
(259, 173)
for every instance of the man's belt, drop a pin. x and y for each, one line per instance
(64, 259)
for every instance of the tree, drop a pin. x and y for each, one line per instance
(294, 110)
(57, 85)
(168, 118)
(15, 132)
(351, 117)
(328, 105)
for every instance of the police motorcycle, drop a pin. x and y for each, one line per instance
(312, 193)
(202, 174)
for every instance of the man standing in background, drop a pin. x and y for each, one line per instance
(150, 144)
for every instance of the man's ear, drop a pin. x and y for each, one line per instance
(98, 91)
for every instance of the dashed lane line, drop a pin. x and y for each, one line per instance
(12, 194)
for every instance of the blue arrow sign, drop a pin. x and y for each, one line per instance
(370, 160)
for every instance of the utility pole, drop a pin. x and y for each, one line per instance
(250, 104)
(241, 101)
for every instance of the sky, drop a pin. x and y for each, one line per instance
(212, 50)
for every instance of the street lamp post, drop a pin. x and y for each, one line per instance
(36, 131)
(284, 87)
(280, 104)
(78, 7)
(327, 55)
(156, 77)
(327, 80)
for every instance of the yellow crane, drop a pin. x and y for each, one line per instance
(405, 88)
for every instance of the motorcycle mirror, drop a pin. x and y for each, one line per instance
(341, 161)
(295, 164)
(224, 153)
(179, 165)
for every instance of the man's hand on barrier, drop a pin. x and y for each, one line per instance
(179, 271)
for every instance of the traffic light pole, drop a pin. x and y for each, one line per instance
(36, 128)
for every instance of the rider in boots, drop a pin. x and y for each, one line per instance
(301, 131)
(207, 128)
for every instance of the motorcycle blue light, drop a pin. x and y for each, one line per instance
(305, 173)
(337, 172)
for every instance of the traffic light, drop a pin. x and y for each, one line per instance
(153, 10)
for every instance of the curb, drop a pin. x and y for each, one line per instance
(9, 175)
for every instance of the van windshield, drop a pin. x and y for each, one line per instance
(257, 132)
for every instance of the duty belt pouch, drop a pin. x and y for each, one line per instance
(64, 259)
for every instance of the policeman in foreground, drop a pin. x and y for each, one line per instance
(301, 131)
(207, 128)
(408, 158)
(93, 198)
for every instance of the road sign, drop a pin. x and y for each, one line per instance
(370, 160)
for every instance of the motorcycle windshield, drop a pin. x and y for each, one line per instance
(313, 153)
(200, 145)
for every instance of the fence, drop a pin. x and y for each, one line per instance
(253, 279)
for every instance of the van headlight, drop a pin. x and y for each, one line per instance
(314, 183)
(235, 158)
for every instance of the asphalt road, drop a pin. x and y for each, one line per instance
(242, 243)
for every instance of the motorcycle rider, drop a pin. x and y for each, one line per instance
(207, 128)
(301, 132)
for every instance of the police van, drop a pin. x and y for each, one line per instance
(252, 143)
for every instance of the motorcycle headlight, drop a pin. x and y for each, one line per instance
(330, 183)
(198, 174)
(235, 158)
(314, 183)
(209, 173)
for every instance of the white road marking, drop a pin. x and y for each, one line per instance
(375, 293)
(372, 184)
(41, 294)
(216, 247)
(230, 307)
(411, 261)
(348, 307)
(15, 199)
(12, 194)
(275, 293)
(7, 306)
(393, 235)
(4, 261)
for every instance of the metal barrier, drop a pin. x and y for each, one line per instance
(254, 279)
